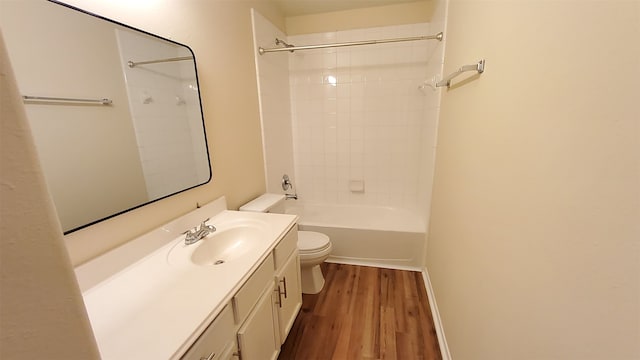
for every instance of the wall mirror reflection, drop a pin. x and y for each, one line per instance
(115, 112)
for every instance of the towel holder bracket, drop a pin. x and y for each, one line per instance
(478, 67)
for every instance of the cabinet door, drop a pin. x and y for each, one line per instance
(229, 353)
(256, 337)
(290, 294)
(216, 340)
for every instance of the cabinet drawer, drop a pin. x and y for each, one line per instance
(285, 248)
(218, 338)
(248, 295)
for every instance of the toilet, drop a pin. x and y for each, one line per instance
(314, 247)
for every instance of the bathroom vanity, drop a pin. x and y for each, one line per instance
(234, 294)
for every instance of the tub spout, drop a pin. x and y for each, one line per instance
(291, 196)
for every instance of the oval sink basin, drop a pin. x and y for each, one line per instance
(226, 245)
(230, 242)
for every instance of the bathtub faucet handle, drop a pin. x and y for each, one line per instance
(286, 182)
(286, 185)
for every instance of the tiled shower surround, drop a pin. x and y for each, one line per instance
(350, 125)
(364, 131)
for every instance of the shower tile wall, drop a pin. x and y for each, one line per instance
(359, 116)
(275, 106)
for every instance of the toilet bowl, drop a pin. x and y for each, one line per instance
(313, 247)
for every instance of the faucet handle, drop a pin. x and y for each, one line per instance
(190, 237)
(203, 224)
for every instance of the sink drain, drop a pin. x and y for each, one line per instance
(218, 262)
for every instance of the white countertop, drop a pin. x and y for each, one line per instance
(151, 309)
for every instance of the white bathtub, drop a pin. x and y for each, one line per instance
(366, 235)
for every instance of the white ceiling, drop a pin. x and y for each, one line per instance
(305, 7)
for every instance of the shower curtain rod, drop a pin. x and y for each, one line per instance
(438, 37)
(132, 64)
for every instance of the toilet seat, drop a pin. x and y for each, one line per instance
(312, 242)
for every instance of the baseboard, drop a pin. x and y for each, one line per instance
(437, 322)
(371, 263)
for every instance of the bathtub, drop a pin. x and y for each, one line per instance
(366, 235)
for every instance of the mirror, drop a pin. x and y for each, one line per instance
(115, 112)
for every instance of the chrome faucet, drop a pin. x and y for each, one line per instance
(197, 234)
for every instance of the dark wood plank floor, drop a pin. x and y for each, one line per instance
(364, 313)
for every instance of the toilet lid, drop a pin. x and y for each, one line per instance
(312, 241)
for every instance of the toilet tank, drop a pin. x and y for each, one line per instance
(267, 203)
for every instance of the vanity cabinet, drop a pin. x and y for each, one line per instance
(257, 337)
(288, 286)
(217, 341)
(255, 315)
(260, 315)
(173, 306)
(249, 294)
(267, 327)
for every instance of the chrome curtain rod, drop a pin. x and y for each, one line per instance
(56, 99)
(438, 37)
(479, 67)
(133, 64)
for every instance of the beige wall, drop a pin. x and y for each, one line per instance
(219, 32)
(41, 310)
(534, 250)
(407, 13)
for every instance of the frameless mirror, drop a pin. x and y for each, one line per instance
(115, 111)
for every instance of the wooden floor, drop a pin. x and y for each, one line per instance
(364, 313)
